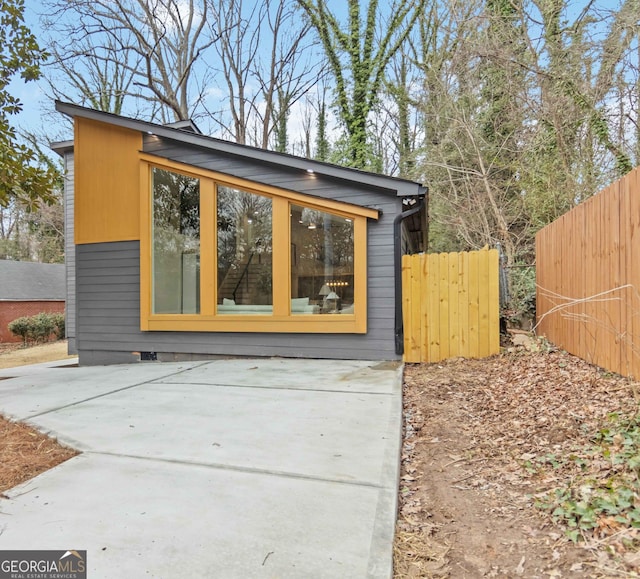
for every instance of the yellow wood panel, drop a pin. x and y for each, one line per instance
(208, 248)
(424, 306)
(463, 303)
(145, 245)
(443, 296)
(494, 301)
(282, 263)
(433, 320)
(474, 305)
(454, 318)
(419, 330)
(107, 182)
(360, 274)
(590, 284)
(329, 324)
(414, 341)
(569, 289)
(407, 321)
(581, 276)
(446, 309)
(483, 300)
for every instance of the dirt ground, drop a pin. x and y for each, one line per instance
(473, 430)
(12, 355)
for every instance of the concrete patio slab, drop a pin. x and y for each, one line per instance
(349, 376)
(334, 435)
(175, 521)
(231, 468)
(33, 390)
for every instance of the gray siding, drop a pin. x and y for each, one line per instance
(69, 252)
(291, 179)
(108, 284)
(108, 287)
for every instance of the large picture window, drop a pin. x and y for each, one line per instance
(176, 243)
(322, 254)
(224, 254)
(244, 264)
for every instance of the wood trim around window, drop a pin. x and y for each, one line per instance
(281, 321)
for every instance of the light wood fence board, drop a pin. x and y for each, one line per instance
(454, 318)
(416, 298)
(483, 293)
(474, 307)
(463, 300)
(450, 305)
(444, 305)
(494, 303)
(634, 272)
(591, 254)
(433, 283)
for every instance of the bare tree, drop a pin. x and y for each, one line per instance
(90, 75)
(264, 61)
(358, 55)
(528, 108)
(147, 49)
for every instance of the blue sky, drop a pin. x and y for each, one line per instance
(34, 98)
(32, 94)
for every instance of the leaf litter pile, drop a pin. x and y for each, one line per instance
(520, 465)
(25, 453)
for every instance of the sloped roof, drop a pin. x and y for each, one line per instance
(400, 187)
(29, 281)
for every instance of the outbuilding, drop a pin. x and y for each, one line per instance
(181, 245)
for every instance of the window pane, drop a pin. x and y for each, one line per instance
(244, 253)
(176, 243)
(321, 262)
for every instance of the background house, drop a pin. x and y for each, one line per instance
(27, 289)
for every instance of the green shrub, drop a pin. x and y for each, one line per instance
(20, 327)
(42, 327)
(38, 328)
(59, 327)
(521, 307)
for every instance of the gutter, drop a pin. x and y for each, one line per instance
(397, 264)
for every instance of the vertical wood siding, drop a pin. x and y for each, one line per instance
(450, 305)
(588, 277)
(107, 172)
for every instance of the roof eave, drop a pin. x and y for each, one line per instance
(61, 147)
(402, 187)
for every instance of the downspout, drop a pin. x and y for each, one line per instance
(397, 264)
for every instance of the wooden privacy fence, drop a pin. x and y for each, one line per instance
(588, 278)
(450, 305)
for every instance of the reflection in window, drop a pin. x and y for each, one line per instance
(244, 253)
(321, 262)
(176, 243)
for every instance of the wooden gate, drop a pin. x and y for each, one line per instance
(450, 305)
